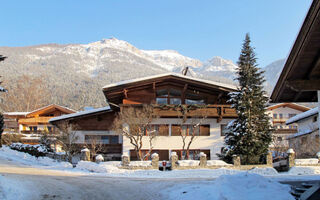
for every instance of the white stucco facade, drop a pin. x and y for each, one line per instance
(214, 142)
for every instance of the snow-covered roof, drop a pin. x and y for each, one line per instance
(81, 113)
(302, 132)
(16, 113)
(303, 115)
(171, 74)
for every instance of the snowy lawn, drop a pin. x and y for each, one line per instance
(241, 186)
(111, 168)
(27, 159)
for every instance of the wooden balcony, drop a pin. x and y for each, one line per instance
(212, 111)
(285, 131)
(35, 120)
(280, 121)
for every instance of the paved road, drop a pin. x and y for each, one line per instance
(52, 184)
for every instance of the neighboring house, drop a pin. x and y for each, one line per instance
(37, 121)
(94, 125)
(299, 80)
(11, 121)
(163, 92)
(279, 114)
(306, 141)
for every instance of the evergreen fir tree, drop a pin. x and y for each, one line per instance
(250, 134)
(2, 58)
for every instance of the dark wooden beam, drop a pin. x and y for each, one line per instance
(304, 85)
(218, 98)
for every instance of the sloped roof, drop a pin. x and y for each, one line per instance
(50, 107)
(303, 115)
(81, 114)
(121, 84)
(16, 113)
(300, 76)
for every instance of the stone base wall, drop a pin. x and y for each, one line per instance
(305, 146)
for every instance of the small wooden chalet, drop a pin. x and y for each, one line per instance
(37, 121)
(164, 92)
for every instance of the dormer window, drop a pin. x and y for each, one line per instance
(194, 99)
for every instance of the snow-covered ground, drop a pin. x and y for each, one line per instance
(25, 177)
(112, 169)
(27, 159)
(241, 186)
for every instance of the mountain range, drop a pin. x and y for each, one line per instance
(75, 73)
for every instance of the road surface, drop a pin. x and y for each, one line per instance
(46, 184)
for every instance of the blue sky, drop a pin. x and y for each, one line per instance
(198, 29)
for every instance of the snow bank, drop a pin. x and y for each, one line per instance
(140, 163)
(242, 186)
(269, 171)
(310, 161)
(305, 170)
(25, 158)
(103, 167)
(185, 163)
(217, 162)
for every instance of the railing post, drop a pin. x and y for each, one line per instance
(125, 160)
(269, 159)
(203, 159)
(155, 161)
(174, 160)
(85, 154)
(290, 159)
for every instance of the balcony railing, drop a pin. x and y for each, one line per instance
(218, 111)
(35, 120)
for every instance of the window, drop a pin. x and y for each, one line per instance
(315, 119)
(161, 100)
(153, 129)
(175, 101)
(223, 129)
(279, 139)
(194, 99)
(280, 115)
(103, 139)
(171, 96)
(189, 130)
(195, 102)
(275, 116)
(114, 139)
(292, 115)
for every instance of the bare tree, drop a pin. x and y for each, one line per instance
(66, 137)
(189, 128)
(95, 145)
(279, 146)
(25, 94)
(134, 123)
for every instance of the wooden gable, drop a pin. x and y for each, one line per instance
(51, 111)
(145, 90)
